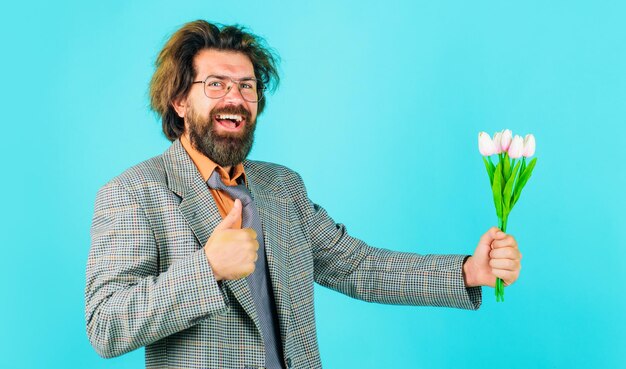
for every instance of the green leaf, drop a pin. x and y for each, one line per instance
(506, 194)
(493, 167)
(502, 177)
(516, 188)
(505, 211)
(524, 177)
(521, 170)
(506, 169)
(497, 189)
(489, 168)
(530, 166)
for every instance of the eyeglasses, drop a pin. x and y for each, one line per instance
(216, 87)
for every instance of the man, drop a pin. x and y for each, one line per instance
(209, 259)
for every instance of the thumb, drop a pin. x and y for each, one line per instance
(488, 237)
(231, 219)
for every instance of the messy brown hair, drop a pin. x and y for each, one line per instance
(175, 71)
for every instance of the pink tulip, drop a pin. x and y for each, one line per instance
(529, 146)
(516, 148)
(485, 144)
(497, 137)
(507, 137)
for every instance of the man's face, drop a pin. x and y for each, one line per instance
(208, 122)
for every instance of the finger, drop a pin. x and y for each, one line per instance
(505, 253)
(507, 241)
(247, 245)
(250, 232)
(244, 234)
(506, 275)
(246, 270)
(504, 264)
(232, 218)
(500, 235)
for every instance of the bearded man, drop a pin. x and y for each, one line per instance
(208, 259)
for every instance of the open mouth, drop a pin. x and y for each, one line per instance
(230, 121)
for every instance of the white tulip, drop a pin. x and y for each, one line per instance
(516, 148)
(485, 144)
(497, 138)
(505, 142)
(529, 146)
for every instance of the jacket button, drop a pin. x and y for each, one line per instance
(288, 362)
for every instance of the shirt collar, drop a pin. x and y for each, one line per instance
(206, 166)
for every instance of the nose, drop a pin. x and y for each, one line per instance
(233, 95)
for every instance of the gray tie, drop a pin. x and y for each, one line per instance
(259, 282)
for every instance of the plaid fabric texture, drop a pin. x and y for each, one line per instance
(149, 283)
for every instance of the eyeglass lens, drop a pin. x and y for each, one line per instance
(216, 87)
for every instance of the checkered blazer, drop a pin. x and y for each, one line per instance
(149, 283)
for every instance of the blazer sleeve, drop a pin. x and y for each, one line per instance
(350, 266)
(128, 304)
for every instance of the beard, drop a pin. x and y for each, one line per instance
(225, 149)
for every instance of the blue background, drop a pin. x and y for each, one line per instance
(379, 100)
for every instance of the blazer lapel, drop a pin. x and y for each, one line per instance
(199, 209)
(274, 211)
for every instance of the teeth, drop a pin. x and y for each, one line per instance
(234, 117)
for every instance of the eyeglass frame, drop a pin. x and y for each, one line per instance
(259, 88)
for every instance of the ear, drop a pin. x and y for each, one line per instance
(180, 105)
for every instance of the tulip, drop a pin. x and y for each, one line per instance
(529, 146)
(508, 177)
(507, 137)
(516, 148)
(485, 144)
(497, 137)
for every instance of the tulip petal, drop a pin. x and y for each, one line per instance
(529, 146)
(505, 140)
(497, 137)
(485, 144)
(517, 145)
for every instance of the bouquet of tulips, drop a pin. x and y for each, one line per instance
(509, 176)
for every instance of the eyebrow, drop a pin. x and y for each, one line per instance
(236, 79)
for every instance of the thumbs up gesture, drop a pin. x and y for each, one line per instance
(232, 252)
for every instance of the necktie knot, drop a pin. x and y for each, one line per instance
(236, 192)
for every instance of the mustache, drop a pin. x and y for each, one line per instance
(231, 109)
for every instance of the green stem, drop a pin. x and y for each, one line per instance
(499, 282)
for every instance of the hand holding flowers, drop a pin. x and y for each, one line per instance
(508, 177)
